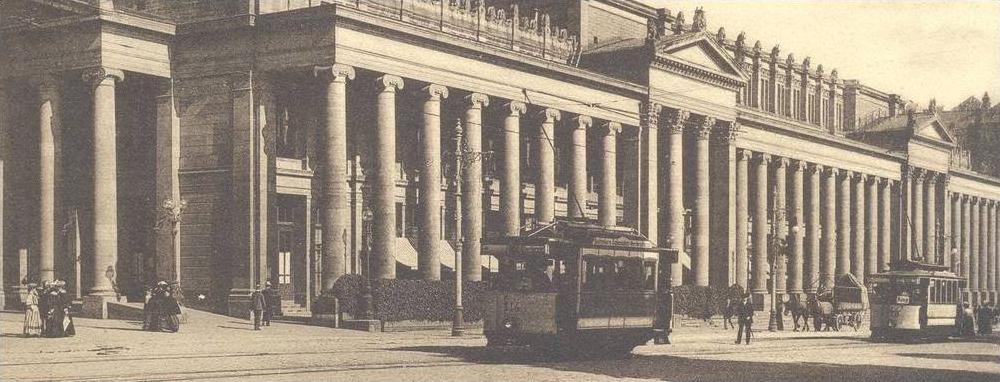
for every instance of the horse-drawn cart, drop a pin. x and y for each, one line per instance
(850, 301)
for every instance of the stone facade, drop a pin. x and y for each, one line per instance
(308, 141)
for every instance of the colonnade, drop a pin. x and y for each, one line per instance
(975, 246)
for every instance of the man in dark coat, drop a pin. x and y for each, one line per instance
(745, 312)
(984, 316)
(257, 305)
(273, 299)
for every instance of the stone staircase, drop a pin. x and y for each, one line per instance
(292, 309)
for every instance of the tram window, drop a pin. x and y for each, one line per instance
(649, 276)
(530, 275)
(932, 294)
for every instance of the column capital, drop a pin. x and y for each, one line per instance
(761, 158)
(44, 83)
(832, 171)
(743, 155)
(389, 83)
(779, 162)
(611, 128)
(435, 92)
(869, 178)
(676, 118)
(650, 113)
(918, 175)
(334, 73)
(703, 130)
(477, 100)
(582, 122)
(727, 132)
(550, 114)
(98, 76)
(516, 108)
(797, 165)
(812, 168)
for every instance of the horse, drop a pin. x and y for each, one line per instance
(823, 315)
(797, 308)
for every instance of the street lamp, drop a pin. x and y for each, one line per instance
(170, 216)
(779, 244)
(456, 324)
(366, 287)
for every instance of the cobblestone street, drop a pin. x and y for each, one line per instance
(211, 347)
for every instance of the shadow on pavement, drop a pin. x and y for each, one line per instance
(681, 369)
(956, 357)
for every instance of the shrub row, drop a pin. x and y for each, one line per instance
(700, 301)
(417, 300)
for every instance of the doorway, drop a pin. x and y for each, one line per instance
(287, 265)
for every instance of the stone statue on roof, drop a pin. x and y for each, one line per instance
(775, 51)
(790, 60)
(678, 26)
(721, 34)
(699, 24)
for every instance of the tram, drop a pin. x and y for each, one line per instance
(914, 301)
(577, 289)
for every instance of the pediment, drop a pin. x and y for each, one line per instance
(933, 130)
(699, 54)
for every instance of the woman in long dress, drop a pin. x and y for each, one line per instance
(66, 302)
(32, 318)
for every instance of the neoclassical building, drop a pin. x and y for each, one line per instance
(223, 143)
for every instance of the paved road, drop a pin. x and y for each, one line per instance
(213, 347)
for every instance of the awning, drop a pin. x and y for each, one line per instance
(491, 263)
(405, 253)
(447, 254)
(685, 260)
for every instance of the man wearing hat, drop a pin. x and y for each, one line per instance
(745, 318)
(257, 306)
(273, 299)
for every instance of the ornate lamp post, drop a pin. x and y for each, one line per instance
(170, 216)
(779, 244)
(366, 288)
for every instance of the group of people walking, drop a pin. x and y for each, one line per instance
(263, 305)
(161, 310)
(980, 319)
(47, 310)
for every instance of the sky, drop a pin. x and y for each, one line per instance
(948, 50)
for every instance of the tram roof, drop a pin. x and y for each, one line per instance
(610, 241)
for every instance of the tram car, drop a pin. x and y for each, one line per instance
(577, 289)
(914, 301)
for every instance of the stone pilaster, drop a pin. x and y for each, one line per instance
(49, 127)
(608, 199)
(105, 247)
(429, 241)
(701, 222)
(676, 121)
(780, 211)
(576, 192)
(796, 219)
(844, 224)
(760, 232)
(872, 225)
(991, 245)
(906, 213)
(472, 188)
(966, 254)
(510, 181)
(742, 218)
(859, 225)
(813, 249)
(545, 183)
(384, 180)
(828, 254)
(334, 192)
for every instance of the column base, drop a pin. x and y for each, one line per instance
(238, 302)
(326, 311)
(761, 301)
(96, 305)
(15, 297)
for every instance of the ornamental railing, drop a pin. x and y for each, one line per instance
(531, 33)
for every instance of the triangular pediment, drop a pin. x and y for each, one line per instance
(699, 54)
(933, 130)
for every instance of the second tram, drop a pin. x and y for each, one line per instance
(914, 301)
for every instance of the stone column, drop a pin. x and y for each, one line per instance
(608, 199)
(956, 234)
(944, 242)
(930, 219)
(967, 234)
(334, 192)
(722, 190)
(885, 228)
(576, 192)
(742, 217)
(872, 226)
(429, 242)
(917, 214)
(545, 184)
(780, 209)
(858, 240)
(701, 223)
(510, 181)
(105, 195)
(384, 182)
(676, 120)
(796, 219)
(844, 224)
(760, 231)
(983, 251)
(828, 254)
(906, 213)
(168, 160)
(974, 248)
(649, 160)
(991, 245)
(472, 188)
(48, 129)
(813, 250)
(6, 108)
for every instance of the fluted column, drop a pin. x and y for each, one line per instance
(429, 241)
(510, 182)
(967, 234)
(930, 219)
(676, 120)
(472, 188)
(760, 231)
(742, 217)
(885, 228)
(957, 232)
(796, 219)
(701, 223)
(384, 181)
(105, 195)
(984, 262)
(844, 224)
(333, 166)
(48, 128)
(780, 212)
(974, 248)
(828, 255)
(545, 184)
(813, 250)
(918, 214)
(608, 200)
(576, 205)
(858, 239)
(872, 226)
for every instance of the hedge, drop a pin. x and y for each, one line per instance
(700, 302)
(417, 300)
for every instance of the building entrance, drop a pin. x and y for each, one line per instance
(287, 265)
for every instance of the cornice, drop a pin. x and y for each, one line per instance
(678, 67)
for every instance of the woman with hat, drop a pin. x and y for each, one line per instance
(32, 318)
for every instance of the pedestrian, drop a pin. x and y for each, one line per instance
(147, 309)
(32, 318)
(745, 312)
(257, 305)
(968, 320)
(984, 316)
(170, 309)
(273, 299)
(58, 321)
